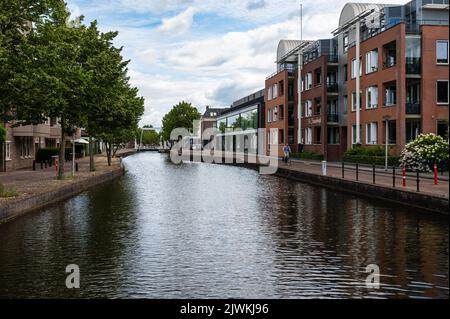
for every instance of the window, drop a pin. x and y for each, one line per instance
(371, 133)
(371, 61)
(392, 131)
(318, 77)
(275, 136)
(442, 129)
(281, 136)
(275, 114)
(275, 91)
(26, 145)
(442, 92)
(8, 151)
(269, 93)
(308, 81)
(308, 136)
(269, 115)
(346, 43)
(372, 97)
(412, 129)
(345, 72)
(333, 135)
(442, 52)
(354, 141)
(281, 115)
(308, 108)
(391, 95)
(354, 101)
(354, 67)
(345, 104)
(318, 131)
(281, 88)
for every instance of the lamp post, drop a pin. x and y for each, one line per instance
(386, 155)
(300, 87)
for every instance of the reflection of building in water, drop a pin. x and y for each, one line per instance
(238, 125)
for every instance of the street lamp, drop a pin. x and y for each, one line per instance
(386, 155)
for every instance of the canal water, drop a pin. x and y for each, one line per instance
(204, 231)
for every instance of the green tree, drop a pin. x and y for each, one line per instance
(182, 115)
(16, 17)
(149, 136)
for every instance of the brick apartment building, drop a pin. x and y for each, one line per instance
(22, 142)
(403, 81)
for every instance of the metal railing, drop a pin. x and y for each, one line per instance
(333, 118)
(332, 88)
(412, 108)
(413, 65)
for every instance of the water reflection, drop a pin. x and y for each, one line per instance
(196, 230)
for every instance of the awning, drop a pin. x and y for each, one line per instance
(81, 141)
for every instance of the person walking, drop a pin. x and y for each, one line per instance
(287, 152)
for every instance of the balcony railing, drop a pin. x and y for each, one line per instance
(332, 88)
(413, 65)
(413, 108)
(333, 118)
(333, 58)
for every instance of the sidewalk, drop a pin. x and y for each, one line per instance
(28, 182)
(382, 178)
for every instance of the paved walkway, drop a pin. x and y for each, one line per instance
(27, 182)
(382, 178)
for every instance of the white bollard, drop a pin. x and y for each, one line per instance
(324, 168)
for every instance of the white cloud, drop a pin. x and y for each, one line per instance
(179, 24)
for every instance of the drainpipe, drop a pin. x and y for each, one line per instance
(358, 83)
(300, 88)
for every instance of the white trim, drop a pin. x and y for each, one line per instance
(448, 54)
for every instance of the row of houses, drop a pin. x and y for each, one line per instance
(323, 99)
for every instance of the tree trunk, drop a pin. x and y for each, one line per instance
(91, 155)
(109, 152)
(2, 157)
(62, 151)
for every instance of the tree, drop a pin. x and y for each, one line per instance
(425, 150)
(54, 80)
(16, 17)
(182, 115)
(149, 136)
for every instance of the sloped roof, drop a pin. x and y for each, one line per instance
(351, 10)
(286, 46)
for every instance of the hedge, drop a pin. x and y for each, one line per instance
(45, 154)
(372, 160)
(309, 156)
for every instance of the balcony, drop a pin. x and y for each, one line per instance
(333, 58)
(413, 65)
(413, 108)
(332, 88)
(40, 130)
(333, 118)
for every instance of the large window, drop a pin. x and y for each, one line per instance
(249, 120)
(442, 92)
(275, 91)
(412, 129)
(390, 98)
(308, 136)
(372, 133)
(442, 129)
(269, 93)
(308, 108)
(442, 51)
(333, 135)
(372, 97)
(354, 68)
(8, 151)
(309, 79)
(354, 101)
(354, 141)
(372, 61)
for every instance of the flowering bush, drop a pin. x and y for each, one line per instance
(425, 150)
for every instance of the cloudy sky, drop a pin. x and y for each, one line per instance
(207, 52)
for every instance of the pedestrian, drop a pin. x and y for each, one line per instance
(287, 153)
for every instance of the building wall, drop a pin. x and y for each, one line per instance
(379, 78)
(431, 72)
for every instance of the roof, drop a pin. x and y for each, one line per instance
(286, 46)
(210, 110)
(352, 10)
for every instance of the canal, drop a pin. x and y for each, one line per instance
(203, 231)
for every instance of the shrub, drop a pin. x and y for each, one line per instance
(308, 155)
(366, 151)
(423, 152)
(372, 160)
(45, 154)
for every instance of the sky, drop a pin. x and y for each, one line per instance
(206, 52)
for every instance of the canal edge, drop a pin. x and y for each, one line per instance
(17, 208)
(428, 203)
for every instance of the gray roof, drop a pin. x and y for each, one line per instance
(351, 10)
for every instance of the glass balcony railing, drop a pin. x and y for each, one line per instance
(413, 108)
(333, 118)
(413, 65)
(332, 88)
